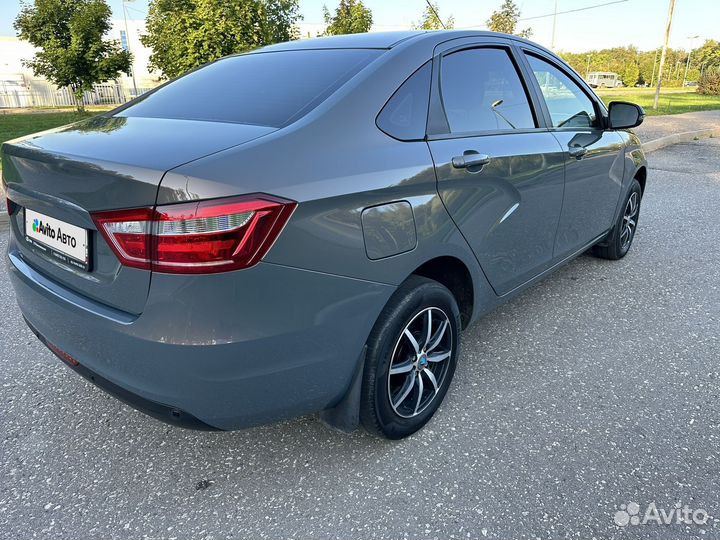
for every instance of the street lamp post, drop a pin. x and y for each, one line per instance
(127, 39)
(555, 14)
(687, 65)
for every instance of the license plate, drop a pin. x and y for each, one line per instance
(59, 239)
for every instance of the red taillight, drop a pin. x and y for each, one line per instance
(10, 206)
(196, 238)
(128, 232)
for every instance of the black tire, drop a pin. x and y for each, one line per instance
(415, 302)
(618, 242)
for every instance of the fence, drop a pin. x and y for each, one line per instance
(19, 96)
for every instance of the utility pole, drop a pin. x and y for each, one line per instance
(127, 38)
(552, 44)
(587, 69)
(664, 52)
(652, 79)
(687, 65)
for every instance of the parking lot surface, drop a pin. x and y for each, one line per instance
(597, 388)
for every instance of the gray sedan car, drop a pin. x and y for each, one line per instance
(309, 227)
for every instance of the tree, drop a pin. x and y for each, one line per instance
(707, 56)
(73, 53)
(631, 75)
(620, 60)
(281, 18)
(647, 63)
(185, 34)
(351, 17)
(432, 21)
(505, 20)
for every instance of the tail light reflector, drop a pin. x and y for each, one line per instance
(62, 355)
(196, 238)
(10, 206)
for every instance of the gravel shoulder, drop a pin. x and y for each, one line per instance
(654, 127)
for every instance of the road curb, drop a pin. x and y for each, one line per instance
(675, 138)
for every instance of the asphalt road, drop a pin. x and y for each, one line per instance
(596, 388)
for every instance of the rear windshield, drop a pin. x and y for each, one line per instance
(266, 89)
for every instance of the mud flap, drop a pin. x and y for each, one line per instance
(345, 416)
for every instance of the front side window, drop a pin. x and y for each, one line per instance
(569, 106)
(482, 91)
(266, 89)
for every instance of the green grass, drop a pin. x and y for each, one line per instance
(672, 100)
(13, 126)
(17, 125)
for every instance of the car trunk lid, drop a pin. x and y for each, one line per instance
(105, 163)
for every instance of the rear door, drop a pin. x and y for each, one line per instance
(500, 172)
(593, 156)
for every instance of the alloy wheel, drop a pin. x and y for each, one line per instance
(419, 362)
(629, 223)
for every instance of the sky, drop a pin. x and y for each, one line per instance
(637, 22)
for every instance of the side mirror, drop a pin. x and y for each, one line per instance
(624, 115)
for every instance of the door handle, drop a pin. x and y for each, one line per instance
(470, 160)
(577, 151)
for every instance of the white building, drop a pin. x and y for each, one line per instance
(310, 30)
(130, 37)
(20, 88)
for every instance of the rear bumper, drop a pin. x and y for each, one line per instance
(162, 412)
(214, 352)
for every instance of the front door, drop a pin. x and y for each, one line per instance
(593, 157)
(500, 175)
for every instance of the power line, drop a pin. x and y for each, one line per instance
(553, 14)
(571, 10)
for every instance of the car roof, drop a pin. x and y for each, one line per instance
(378, 40)
(369, 40)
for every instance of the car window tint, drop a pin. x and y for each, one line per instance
(481, 91)
(405, 114)
(569, 106)
(266, 89)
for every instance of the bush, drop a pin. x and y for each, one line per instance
(709, 83)
(672, 83)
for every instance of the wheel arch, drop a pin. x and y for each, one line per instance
(641, 177)
(454, 274)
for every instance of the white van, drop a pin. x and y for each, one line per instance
(603, 79)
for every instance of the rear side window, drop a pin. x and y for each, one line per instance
(405, 114)
(266, 89)
(569, 106)
(482, 91)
